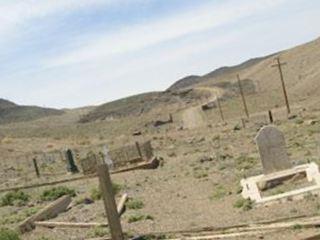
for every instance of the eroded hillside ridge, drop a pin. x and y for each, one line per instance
(11, 112)
(257, 77)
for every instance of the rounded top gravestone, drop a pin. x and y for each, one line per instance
(272, 148)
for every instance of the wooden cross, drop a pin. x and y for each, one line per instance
(279, 66)
(109, 202)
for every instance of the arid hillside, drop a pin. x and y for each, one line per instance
(261, 82)
(301, 73)
(11, 112)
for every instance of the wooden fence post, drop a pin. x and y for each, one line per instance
(243, 123)
(109, 202)
(36, 168)
(270, 116)
(139, 150)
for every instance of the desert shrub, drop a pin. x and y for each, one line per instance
(98, 232)
(116, 188)
(57, 192)
(95, 193)
(245, 162)
(299, 121)
(135, 204)
(8, 234)
(297, 227)
(154, 237)
(18, 216)
(244, 204)
(200, 172)
(220, 192)
(44, 238)
(139, 217)
(14, 198)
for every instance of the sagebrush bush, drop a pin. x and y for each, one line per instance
(134, 204)
(95, 193)
(139, 217)
(57, 192)
(15, 198)
(8, 234)
(244, 204)
(98, 232)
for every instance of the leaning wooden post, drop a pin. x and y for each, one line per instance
(109, 202)
(139, 150)
(36, 168)
(243, 123)
(170, 118)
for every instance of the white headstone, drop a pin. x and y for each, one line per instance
(272, 148)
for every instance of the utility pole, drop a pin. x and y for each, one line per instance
(279, 65)
(242, 96)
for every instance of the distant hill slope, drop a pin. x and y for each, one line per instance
(184, 82)
(11, 112)
(139, 104)
(260, 80)
(192, 80)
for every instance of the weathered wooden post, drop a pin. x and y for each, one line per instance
(139, 150)
(109, 202)
(243, 123)
(170, 118)
(36, 168)
(220, 109)
(71, 166)
(270, 116)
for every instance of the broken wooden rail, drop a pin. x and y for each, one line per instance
(152, 164)
(314, 237)
(50, 211)
(47, 224)
(237, 230)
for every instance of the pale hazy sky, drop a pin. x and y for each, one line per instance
(71, 53)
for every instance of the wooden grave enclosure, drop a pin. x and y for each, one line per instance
(129, 155)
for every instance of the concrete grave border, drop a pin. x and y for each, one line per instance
(250, 186)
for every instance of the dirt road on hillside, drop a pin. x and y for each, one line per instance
(194, 117)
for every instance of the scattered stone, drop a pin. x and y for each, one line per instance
(293, 116)
(137, 133)
(172, 154)
(237, 127)
(161, 122)
(203, 159)
(87, 201)
(180, 128)
(312, 122)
